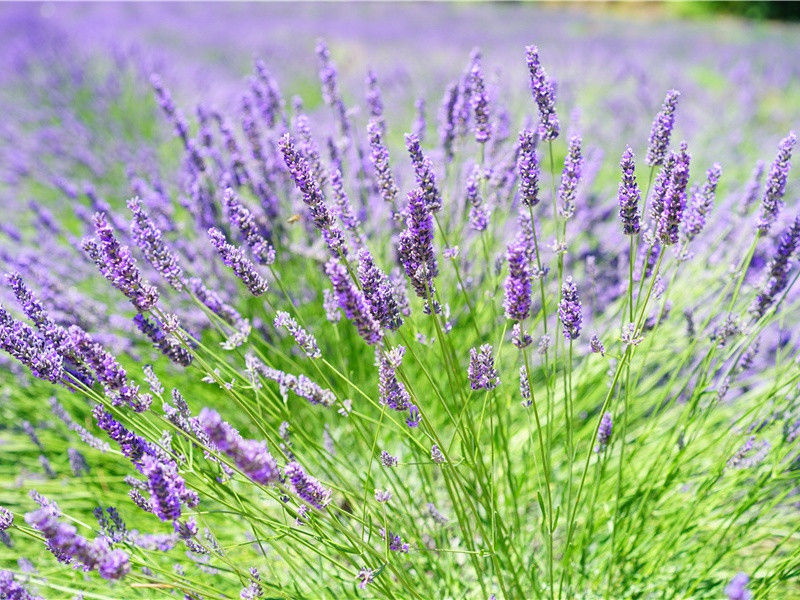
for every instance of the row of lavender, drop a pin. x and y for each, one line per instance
(519, 447)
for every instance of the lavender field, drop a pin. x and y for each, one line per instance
(411, 301)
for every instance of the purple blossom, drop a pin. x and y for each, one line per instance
(420, 124)
(437, 456)
(131, 445)
(629, 195)
(701, 203)
(306, 341)
(378, 291)
(299, 384)
(447, 120)
(481, 372)
(480, 104)
(544, 94)
(353, 303)
(167, 344)
(375, 101)
(604, 432)
(342, 206)
(6, 518)
(243, 219)
(392, 392)
(777, 277)
(149, 239)
(234, 258)
(14, 590)
(517, 302)
(415, 246)
(306, 487)
(528, 168)
(661, 130)
(423, 170)
(674, 199)
(118, 266)
(569, 310)
(387, 460)
(380, 161)
(772, 201)
(24, 344)
(597, 346)
(570, 177)
(737, 588)
(478, 215)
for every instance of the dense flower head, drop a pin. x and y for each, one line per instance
(241, 266)
(544, 94)
(116, 264)
(701, 203)
(737, 588)
(629, 195)
(169, 345)
(415, 246)
(392, 391)
(447, 120)
(423, 170)
(570, 177)
(253, 235)
(604, 432)
(375, 100)
(569, 310)
(380, 161)
(353, 303)
(306, 487)
(517, 302)
(661, 130)
(378, 291)
(24, 344)
(480, 104)
(674, 198)
(150, 240)
(777, 276)
(481, 372)
(305, 340)
(12, 589)
(528, 168)
(772, 202)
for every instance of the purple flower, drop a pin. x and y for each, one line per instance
(342, 205)
(480, 104)
(569, 310)
(519, 337)
(604, 432)
(570, 177)
(131, 445)
(415, 246)
(161, 480)
(353, 303)
(423, 170)
(380, 161)
(420, 124)
(772, 202)
(330, 88)
(306, 341)
(629, 195)
(778, 269)
(544, 94)
(306, 487)
(13, 590)
(378, 291)
(312, 196)
(243, 219)
(392, 391)
(375, 100)
(661, 130)
(118, 266)
(478, 215)
(597, 346)
(674, 198)
(168, 345)
(6, 518)
(24, 344)
(737, 588)
(753, 187)
(518, 283)
(528, 168)
(481, 372)
(234, 258)
(447, 120)
(701, 203)
(437, 456)
(299, 384)
(150, 240)
(387, 460)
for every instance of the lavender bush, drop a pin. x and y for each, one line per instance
(324, 341)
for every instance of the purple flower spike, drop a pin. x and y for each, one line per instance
(518, 283)
(306, 487)
(243, 219)
(604, 432)
(416, 246)
(569, 310)
(528, 168)
(629, 195)
(234, 258)
(392, 391)
(478, 213)
(24, 344)
(378, 291)
(701, 203)
(481, 372)
(167, 344)
(13, 590)
(480, 104)
(737, 588)
(118, 266)
(778, 269)
(570, 177)
(380, 160)
(353, 303)
(772, 202)
(164, 493)
(674, 199)
(150, 240)
(447, 121)
(544, 94)
(423, 170)
(661, 130)
(306, 341)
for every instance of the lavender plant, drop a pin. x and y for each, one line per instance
(288, 372)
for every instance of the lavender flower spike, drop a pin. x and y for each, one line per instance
(380, 160)
(481, 372)
(604, 432)
(306, 487)
(674, 202)
(25, 345)
(478, 214)
(353, 303)
(118, 266)
(378, 291)
(480, 104)
(701, 203)
(629, 195)
(149, 238)
(569, 310)
(304, 339)
(423, 170)
(528, 168)
(772, 202)
(234, 258)
(544, 94)
(518, 283)
(13, 590)
(241, 216)
(416, 246)
(661, 130)
(737, 588)
(778, 269)
(570, 177)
